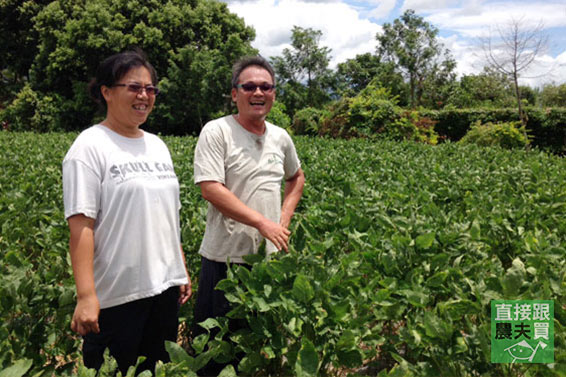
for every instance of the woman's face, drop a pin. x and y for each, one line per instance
(128, 108)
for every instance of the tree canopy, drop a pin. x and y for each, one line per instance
(302, 71)
(411, 44)
(355, 74)
(45, 68)
(192, 44)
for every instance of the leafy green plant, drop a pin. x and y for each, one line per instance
(278, 116)
(410, 127)
(374, 113)
(372, 109)
(307, 121)
(505, 135)
(192, 45)
(397, 249)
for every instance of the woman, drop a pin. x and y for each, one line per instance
(122, 204)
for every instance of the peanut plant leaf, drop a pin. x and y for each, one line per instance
(18, 369)
(307, 360)
(302, 289)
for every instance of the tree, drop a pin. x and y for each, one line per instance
(437, 86)
(486, 89)
(410, 43)
(196, 40)
(18, 43)
(553, 95)
(302, 72)
(513, 51)
(355, 74)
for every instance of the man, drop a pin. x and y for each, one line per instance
(240, 161)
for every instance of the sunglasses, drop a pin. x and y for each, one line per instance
(251, 87)
(137, 88)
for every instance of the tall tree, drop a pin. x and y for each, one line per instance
(196, 40)
(411, 44)
(302, 71)
(18, 42)
(553, 95)
(488, 88)
(355, 74)
(513, 51)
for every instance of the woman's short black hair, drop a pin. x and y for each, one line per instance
(113, 68)
(247, 61)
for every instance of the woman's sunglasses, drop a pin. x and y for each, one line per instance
(137, 88)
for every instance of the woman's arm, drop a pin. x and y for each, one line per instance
(85, 317)
(186, 290)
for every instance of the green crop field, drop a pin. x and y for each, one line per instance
(397, 250)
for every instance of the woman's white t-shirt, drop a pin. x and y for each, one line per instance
(129, 186)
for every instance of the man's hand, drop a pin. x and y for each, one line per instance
(85, 318)
(230, 206)
(276, 233)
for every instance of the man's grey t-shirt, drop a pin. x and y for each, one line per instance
(250, 166)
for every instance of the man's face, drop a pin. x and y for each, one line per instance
(254, 105)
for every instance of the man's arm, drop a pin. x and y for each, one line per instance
(231, 206)
(292, 195)
(85, 317)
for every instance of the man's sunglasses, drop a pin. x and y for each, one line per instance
(137, 88)
(251, 87)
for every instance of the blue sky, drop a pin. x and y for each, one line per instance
(349, 27)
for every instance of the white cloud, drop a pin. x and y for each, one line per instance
(474, 18)
(470, 57)
(342, 29)
(383, 8)
(424, 5)
(347, 28)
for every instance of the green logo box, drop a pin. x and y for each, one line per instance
(522, 331)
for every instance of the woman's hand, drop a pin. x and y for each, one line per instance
(185, 291)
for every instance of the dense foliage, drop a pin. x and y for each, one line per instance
(373, 112)
(302, 71)
(505, 135)
(553, 95)
(411, 43)
(397, 250)
(50, 49)
(192, 45)
(547, 127)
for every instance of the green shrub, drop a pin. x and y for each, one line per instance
(410, 126)
(307, 121)
(337, 122)
(278, 115)
(363, 115)
(372, 110)
(547, 127)
(506, 135)
(32, 111)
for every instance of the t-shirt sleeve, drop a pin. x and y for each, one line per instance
(81, 189)
(292, 162)
(209, 155)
